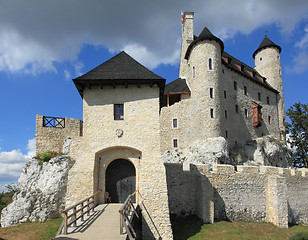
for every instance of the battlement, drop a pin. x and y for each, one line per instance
(253, 170)
(52, 131)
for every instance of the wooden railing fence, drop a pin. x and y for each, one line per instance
(55, 122)
(127, 213)
(77, 211)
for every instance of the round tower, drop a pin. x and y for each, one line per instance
(267, 63)
(203, 57)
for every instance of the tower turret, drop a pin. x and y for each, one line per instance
(187, 39)
(267, 63)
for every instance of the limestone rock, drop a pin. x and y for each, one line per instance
(209, 151)
(41, 195)
(266, 151)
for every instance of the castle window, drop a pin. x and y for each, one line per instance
(225, 94)
(226, 134)
(193, 69)
(267, 100)
(245, 90)
(235, 85)
(223, 71)
(236, 108)
(174, 123)
(175, 143)
(118, 111)
(259, 96)
(260, 59)
(212, 112)
(269, 120)
(226, 115)
(211, 92)
(246, 113)
(256, 115)
(210, 64)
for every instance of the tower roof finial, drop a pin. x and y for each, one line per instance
(266, 33)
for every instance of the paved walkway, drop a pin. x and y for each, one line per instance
(104, 224)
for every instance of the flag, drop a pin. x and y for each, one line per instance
(182, 16)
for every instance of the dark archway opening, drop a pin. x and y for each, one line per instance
(120, 180)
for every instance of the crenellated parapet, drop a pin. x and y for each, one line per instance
(249, 193)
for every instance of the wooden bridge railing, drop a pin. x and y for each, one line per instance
(55, 122)
(77, 211)
(127, 212)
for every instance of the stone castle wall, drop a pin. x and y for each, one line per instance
(270, 194)
(52, 138)
(138, 143)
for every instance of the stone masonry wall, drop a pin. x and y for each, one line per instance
(101, 144)
(270, 194)
(51, 138)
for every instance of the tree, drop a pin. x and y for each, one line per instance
(298, 131)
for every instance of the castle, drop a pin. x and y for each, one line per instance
(130, 117)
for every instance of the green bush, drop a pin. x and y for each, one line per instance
(46, 156)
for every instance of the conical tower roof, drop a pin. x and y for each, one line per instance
(204, 35)
(265, 44)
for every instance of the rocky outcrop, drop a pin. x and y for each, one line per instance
(42, 190)
(209, 151)
(264, 151)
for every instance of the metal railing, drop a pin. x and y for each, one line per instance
(77, 211)
(127, 213)
(53, 122)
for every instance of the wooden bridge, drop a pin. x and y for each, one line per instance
(111, 221)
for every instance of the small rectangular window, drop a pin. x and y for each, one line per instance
(235, 85)
(245, 90)
(259, 96)
(212, 112)
(226, 115)
(226, 134)
(175, 123)
(246, 113)
(118, 111)
(211, 92)
(236, 108)
(210, 64)
(225, 94)
(267, 100)
(269, 120)
(175, 143)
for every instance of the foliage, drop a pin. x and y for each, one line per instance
(32, 231)
(298, 134)
(46, 156)
(6, 197)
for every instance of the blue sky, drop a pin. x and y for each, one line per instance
(44, 44)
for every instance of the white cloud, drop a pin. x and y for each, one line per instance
(67, 74)
(36, 34)
(300, 60)
(12, 162)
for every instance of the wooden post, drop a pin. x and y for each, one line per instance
(81, 212)
(74, 216)
(88, 203)
(65, 223)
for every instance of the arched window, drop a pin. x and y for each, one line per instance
(210, 64)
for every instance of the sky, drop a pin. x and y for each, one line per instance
(45, 44)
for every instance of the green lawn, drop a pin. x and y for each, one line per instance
(193, 229)
(31, 231)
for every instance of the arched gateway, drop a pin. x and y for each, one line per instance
(120, 180)
(116, 172)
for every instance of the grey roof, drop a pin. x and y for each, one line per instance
(265, 44)
(177, 86)
(204, 35)
(121, 66)
(121, 69)
(237, 66)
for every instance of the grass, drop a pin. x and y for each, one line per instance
(192, 228)
(31, 231)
